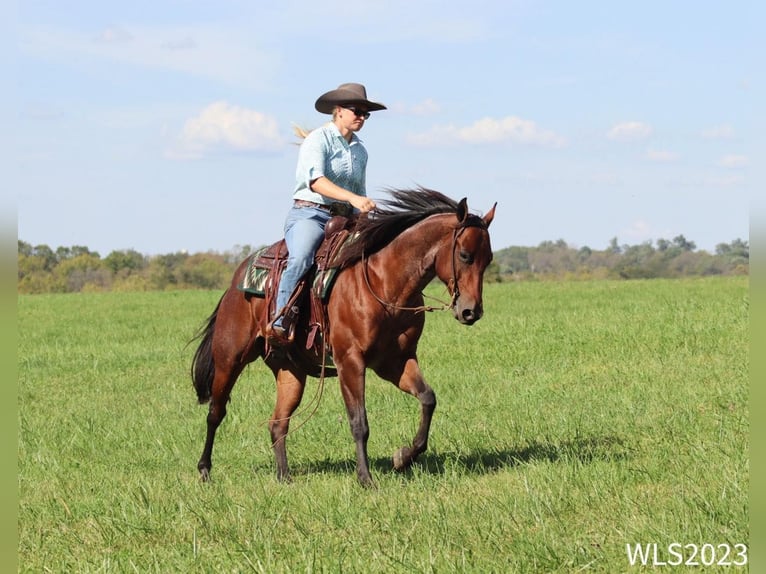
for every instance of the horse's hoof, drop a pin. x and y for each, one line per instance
(284, 478)
(367, 482)
(204, 474)
(402, 458)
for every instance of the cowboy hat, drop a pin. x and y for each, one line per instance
(346, 94)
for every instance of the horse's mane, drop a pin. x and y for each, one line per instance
(391, 217)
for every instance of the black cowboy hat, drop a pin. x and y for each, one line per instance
(351, 94)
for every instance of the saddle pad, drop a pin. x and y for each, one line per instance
(323, 281)
(256, 278)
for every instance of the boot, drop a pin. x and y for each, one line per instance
(281, 331)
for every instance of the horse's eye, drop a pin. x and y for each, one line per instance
(466, 257)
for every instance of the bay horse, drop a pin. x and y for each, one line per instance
(374, 315)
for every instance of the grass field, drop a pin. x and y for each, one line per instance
(574, 419)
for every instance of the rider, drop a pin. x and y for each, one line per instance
(330, 180)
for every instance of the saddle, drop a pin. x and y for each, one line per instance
(308, 302)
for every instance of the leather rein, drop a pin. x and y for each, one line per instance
(452, 286)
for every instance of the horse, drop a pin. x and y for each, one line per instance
(375, 319)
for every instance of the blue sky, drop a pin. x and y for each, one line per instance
(166, 125)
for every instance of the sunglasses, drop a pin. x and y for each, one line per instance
(357, 112)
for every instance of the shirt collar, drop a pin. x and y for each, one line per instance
(336, 133)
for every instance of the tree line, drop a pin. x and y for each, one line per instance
(74, 269)
(664, 259)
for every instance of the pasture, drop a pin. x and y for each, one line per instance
(573, 419)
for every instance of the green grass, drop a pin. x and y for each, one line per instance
(573, 419)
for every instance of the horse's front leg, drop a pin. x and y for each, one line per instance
(290, 387)
(410, 379)
(352, 381)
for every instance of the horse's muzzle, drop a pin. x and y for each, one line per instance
(468, 314)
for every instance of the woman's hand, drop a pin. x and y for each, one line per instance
(324, 186)
(363, 204)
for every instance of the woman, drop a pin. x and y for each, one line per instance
(330, 179)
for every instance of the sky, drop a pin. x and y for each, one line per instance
(166, 125)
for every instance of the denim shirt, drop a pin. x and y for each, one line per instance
(325, 152)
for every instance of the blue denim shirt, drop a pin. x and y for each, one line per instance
(325, 152)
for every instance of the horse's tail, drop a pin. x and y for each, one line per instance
(203, 365)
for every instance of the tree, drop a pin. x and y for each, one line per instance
(25, 249)
(683, 244)
(584, 253)
(63, 253)
(130, 260)
(164, 270)
(46, 255)
(204, 270)
(512, 260)
(737, 249)
(735, 256)
(81, 270)
(492, 273)
(238, 254)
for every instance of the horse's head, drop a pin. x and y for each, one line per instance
(463, 270)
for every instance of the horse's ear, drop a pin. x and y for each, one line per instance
(462, 210)
(490, 215)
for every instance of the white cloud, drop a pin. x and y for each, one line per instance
(384, 22)
(229, 55)
(223, 127)
(733, 161)
(662, 156)
(724, 131)
(489, 130)
(427, 107)
(629, 131)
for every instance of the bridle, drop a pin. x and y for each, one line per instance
(452, 285)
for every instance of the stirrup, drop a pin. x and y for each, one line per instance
(278, 336)
(284, 334)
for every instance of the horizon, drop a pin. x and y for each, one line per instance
(239, 247)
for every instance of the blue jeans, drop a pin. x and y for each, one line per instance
(304, 231)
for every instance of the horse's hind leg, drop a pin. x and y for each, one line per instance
(410, 379)
(224, 380)
(290, 387)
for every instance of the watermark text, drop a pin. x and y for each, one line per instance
(678, 554)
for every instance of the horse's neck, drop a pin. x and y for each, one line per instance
(408, 263)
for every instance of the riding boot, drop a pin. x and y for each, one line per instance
(281, 331)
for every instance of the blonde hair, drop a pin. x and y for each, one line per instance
(301, 132)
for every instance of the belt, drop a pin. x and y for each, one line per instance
(335, 208)
(304, 203)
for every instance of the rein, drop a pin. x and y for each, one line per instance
(419, 309)
(452, 286)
